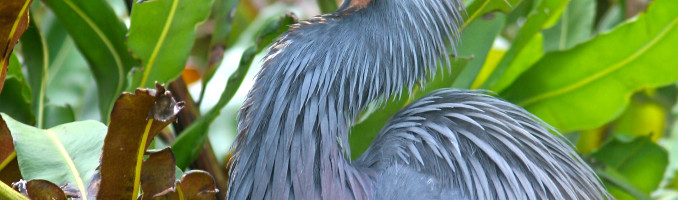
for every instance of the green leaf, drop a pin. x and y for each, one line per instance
(476, 41)
(575, 26)
(367, 129)
(100, 37)
(541, 17)
(33, 47)
(478, 8)
(161, 36)
(67, 153)
(589, 85)
(55, 115)
(530, 54)
(639, 162)
(189, 143)
(223, 24)
(15, 98)
(327, 6)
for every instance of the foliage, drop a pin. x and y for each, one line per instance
(599, 71)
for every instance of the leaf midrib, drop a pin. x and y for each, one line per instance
(69, 162)
(158, 45)
(12, 32)
(602, 73)
(107, 43)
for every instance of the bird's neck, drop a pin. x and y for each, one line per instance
(293, 127)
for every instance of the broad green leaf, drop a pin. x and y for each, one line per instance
(530, 54)
(135, 120)
(65, 154)
(478, 8)
(544, 13)
(476, 41)
(367, 129)
(13, 22)
(15, 98)
(575, 26)
(34, 49)
(100, 37)
(161, 36)
(589, 85)
(189, 143)
(327, 6)
(639, 161)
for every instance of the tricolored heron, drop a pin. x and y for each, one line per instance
(451, 144)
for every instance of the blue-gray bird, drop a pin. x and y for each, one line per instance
(451, 144)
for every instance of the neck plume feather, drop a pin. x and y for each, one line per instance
(293, 127)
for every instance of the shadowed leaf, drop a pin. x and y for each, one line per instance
(55, 115)
(13, 23)
(595, 79)
(638, 162)
(135, 121)
(478, 8)
(193, 185)
(33, 46)
(575, 26)
(161, 35)
(157, 173)
(65, 154)
(100, 37)
(327, 6)
(15, 99)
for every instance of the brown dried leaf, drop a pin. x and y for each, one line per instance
(13, 23)
(193, 185)
(7, 153)
(157, 173)
(135, 120)
(39, 189)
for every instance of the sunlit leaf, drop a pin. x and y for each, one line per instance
(65, 154)
(327, 6)
(135, 121)
(546, 12)
(161, 36)
(13, 22)
(589, 85)
(100, 37)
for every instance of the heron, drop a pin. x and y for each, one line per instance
(293, 126)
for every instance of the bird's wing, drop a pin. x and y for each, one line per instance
(486, 147)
